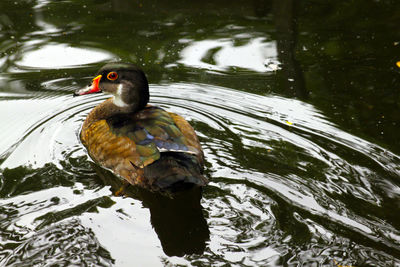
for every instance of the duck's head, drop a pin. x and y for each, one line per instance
(126, 82)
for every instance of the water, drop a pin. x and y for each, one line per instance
(296, 113)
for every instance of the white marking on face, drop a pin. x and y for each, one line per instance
(119, 89)
(118, 97)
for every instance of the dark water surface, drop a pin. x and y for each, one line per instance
(296, 104)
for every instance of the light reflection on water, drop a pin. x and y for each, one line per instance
(66, 56)
(255, 55)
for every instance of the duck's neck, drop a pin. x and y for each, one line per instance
(108, 109)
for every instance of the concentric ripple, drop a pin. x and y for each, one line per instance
(286, 185)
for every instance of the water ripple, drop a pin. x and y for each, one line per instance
(281, 176)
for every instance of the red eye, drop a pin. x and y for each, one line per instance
(112, 76)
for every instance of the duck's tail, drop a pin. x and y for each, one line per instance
(174, 172)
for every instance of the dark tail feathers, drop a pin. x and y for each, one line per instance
(174, 172)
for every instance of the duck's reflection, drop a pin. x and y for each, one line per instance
(177, 218)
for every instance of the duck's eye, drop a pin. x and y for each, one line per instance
(112, 76)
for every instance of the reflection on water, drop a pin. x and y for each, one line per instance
(256, 55)
(297, 117)
(66, 57)
(178, 220)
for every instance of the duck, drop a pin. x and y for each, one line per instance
(143, 144)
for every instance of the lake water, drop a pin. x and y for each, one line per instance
(296, 104)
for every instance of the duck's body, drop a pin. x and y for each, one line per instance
(145, 145)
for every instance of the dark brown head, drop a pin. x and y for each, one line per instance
(126, 82)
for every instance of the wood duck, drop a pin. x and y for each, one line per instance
(145, 145)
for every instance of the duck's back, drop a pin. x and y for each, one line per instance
(151, 148)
